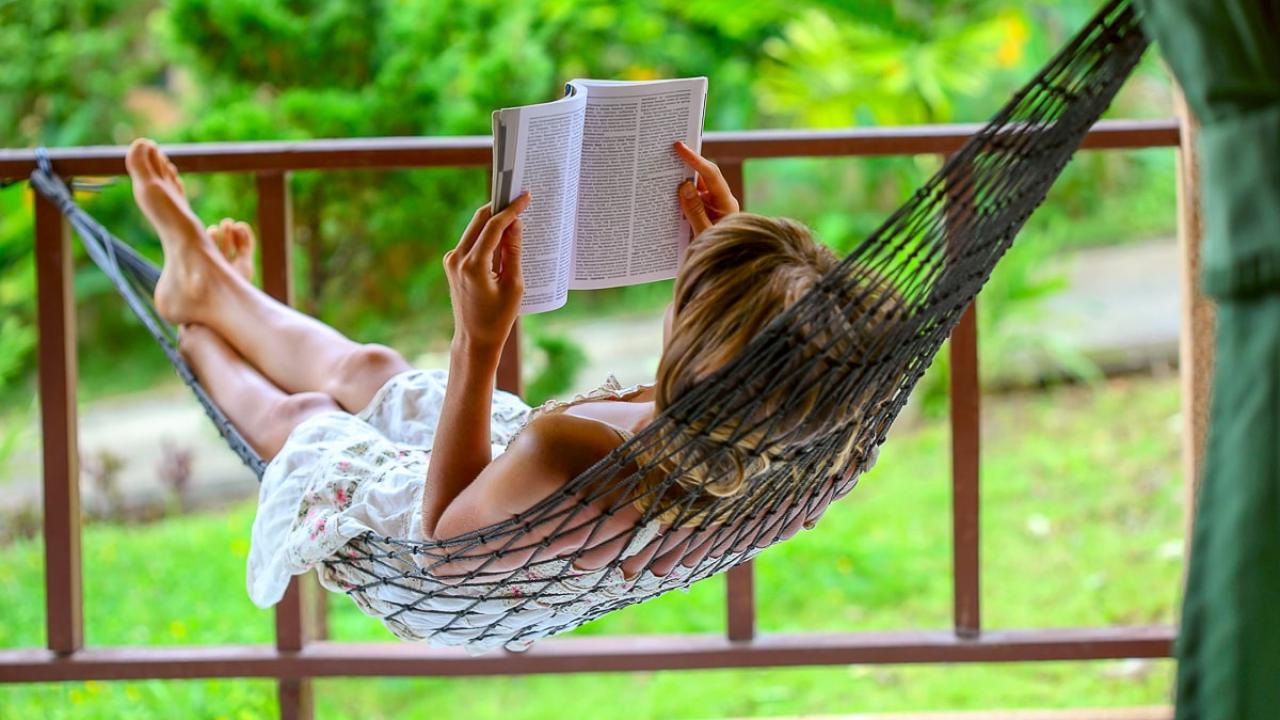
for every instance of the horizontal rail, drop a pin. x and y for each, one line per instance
(473, 150)
(587, 654)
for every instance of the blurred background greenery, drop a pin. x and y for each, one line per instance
(81, 72)
(367, 248)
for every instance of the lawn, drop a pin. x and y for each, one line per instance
(1082, 525)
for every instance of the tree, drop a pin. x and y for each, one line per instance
(335, 68)
(70, 70)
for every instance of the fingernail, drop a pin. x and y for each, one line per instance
(686, 190)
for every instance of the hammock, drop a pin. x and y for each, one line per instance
(900, 291)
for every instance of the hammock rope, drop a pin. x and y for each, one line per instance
(900, 292)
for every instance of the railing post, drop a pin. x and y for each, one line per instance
(509, 362)
(740, 581)
(275, 229)
(966, 442)
(966, 418)
(1195, 341)
(55, 304)
(300, 613)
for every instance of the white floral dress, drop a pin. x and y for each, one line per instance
(340, 476)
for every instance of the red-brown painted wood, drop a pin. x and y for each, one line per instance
(275, 233)
(740, 582)
(966, 417)
(474, 150)
(588, 654)
(294, 658)
(56, 313)
(296, 621)
(296, 698)
(740, 588)
(509, 363)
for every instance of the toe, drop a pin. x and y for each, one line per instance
(136, 159)
(244, 237)
(156, 160)
(171, 172)
(226, 232)
(220, 240)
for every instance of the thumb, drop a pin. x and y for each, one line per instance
(693, 208)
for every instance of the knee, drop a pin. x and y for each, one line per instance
(368, 367)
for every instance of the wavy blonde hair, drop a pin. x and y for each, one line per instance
(738, 276)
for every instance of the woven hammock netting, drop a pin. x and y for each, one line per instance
(812, 396)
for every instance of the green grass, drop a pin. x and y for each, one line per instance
(1081, 524)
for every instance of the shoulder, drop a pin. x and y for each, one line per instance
(549, 452)
(566, 439)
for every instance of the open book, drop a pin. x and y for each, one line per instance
(603, 176)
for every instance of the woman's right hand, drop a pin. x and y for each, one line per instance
(708, 202)
(485, 281)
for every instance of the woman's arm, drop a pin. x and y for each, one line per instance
(485, 285)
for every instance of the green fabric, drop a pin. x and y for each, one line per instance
(1240, 186)
(1226, 56)
(1229, 649)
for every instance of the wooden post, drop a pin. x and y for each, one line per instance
(300, 614)
(966, 447)
(1195, 341)
(56, 310)
(965, 395)
(508, 377)
(740, 582)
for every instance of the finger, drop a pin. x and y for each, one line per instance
(713, 179)
(474, 226)
(695, 161)
(494, 229)
(694, 210)
(710, 179)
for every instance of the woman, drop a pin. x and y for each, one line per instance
(349, 428)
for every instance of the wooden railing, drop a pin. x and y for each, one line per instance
(301, 651)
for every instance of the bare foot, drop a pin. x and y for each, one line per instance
(235, 241)
(191, 262)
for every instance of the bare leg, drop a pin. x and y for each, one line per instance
(198, 285)
(262, 412)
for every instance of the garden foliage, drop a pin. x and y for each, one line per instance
(368, 244)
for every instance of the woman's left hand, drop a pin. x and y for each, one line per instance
(485, 283)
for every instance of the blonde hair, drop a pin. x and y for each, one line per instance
(738, 276)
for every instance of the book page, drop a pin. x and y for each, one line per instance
(629, 225)
(538, 148)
